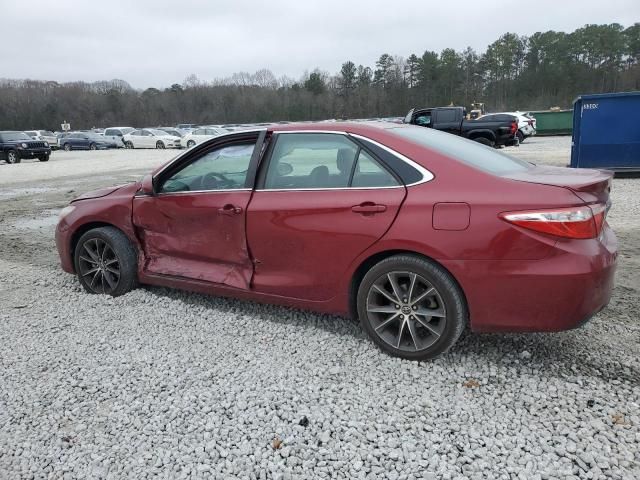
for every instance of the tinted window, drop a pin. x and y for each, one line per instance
(32, 134)
(108, 131)
(200, 131)
(224, 168)
(444, 116)
(311, 160)
(369, 173)
(423, 119)
(472, 153)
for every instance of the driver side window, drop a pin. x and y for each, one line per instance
(224, 168)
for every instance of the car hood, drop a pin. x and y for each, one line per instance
(103, 192)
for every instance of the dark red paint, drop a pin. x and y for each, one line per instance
(303, 248)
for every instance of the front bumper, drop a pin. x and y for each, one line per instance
(557, 293)
(33, 152)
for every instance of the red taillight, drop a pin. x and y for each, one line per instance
(514, 127)
(571, 222)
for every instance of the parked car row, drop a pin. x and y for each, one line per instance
(492, 129)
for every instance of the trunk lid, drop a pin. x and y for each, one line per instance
(589, 185)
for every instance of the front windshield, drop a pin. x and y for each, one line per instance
(13, 136)
(466, 151)
(158, 132)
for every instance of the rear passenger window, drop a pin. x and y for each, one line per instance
(323, 161)
(369, 173)
(311, 160)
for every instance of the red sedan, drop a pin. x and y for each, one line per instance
(415, 232)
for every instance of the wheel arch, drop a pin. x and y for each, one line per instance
(373, 259)
(488, 134)
(84, 228)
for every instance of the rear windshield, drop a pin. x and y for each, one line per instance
(472, 153)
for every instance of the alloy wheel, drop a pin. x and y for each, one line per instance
(12, 157)
(99, 266)
(406, 311)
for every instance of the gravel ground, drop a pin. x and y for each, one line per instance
(167, 384)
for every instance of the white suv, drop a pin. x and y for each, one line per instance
(116, 134)
(44, 136)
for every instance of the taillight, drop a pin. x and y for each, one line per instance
(571, 222)
(514, 127)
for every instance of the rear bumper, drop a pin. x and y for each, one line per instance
(558, 293)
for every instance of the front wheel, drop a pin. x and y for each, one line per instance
(44, 158)
(106, 262)
(159, 145)
(92, 146)
(67, 147)
(128, 144)
(411, 307)
(13, 157)
(520, 136)
(190, 143)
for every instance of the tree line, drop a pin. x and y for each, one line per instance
(515, 72)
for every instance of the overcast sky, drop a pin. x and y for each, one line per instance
(160, 42)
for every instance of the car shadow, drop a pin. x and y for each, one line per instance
(559, 353)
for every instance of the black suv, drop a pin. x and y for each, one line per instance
(14, 146)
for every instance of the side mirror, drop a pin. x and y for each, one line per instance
(284, 169)
(147, 184)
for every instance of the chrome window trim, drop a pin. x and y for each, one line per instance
(325, 189)
(427, 176)
(188, 192)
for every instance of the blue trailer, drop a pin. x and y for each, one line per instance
(606, 131)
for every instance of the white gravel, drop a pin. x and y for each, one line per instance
(167, 384)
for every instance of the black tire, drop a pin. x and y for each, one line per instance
(44, 158)
(453, 308)
(13, 157)
(159, 145)
(92, 146)
(190, 143)
(483, 141)
(66, 147)
(520, 136)
(128, 144)
(103, 279)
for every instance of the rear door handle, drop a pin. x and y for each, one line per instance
(368, 207)
(229, 209)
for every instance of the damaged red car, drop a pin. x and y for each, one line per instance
(415, 232)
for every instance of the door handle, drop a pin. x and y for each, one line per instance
(229, 209)
(369, 207)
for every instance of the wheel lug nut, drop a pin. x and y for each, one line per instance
(397, 306)
(401, 317)
(404, 300)
(415, 307)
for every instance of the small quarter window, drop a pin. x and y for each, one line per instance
(369, 173)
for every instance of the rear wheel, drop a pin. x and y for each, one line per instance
(13, 157)
(106, 262)
(484, 141)
(67, 147)
(520, 136)
(411, 308)
(159, 144)
(190, 143)
(128, 145)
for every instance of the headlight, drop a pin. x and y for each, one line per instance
(24, 145)
(66, 211)
(46, 144)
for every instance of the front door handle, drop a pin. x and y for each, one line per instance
(369, 207)
(229, 209)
